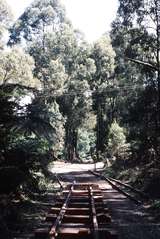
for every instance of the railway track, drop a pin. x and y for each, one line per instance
(133, 194)
(79, 213)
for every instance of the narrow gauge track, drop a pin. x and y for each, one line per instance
(123, 188)
(79, 214)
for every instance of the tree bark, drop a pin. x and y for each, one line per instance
(71, 142)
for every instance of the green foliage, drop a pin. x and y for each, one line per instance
(135, 37)
(19, 160)
(117, 145)
(5, 20)
(40, 15)
(5, 13)
(155, 205)
(103, 102)
(19, 153)
(79, 69)
(62, 61)
(57, 121)
(16, 67)
(86, 141)
(103, 55)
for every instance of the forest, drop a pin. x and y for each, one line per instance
(63, 99)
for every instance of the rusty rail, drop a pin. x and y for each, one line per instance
(54, 228)
(59, 182)
(116, 187)
(79, 214)
(143, 195)
(94, 216)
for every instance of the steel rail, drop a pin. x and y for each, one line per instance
(116, 187)
(59, 182)
(85, 220)
(93, 213)
(54, 228)
(129, 187)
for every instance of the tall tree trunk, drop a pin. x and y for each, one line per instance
(98, 131)
(71, 142)
(157, 4)
(102, 128)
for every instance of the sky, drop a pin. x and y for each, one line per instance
(92, 17)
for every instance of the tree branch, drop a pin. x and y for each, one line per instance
(143, 63)
(10, 86)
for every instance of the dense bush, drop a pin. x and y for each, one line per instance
(20, 161)
(117, 145)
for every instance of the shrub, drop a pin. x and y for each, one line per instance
(117, 145)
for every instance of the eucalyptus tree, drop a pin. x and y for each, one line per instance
(130, 79)
(33, 29)
(57, 45)
(75, 102)
(103, 80)
(144, 47)
(40, 16)
(64, 69)
(136, 38)
(5, 20)
(62, 62)
(66, 47)
(139, 22)
(16, 66)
